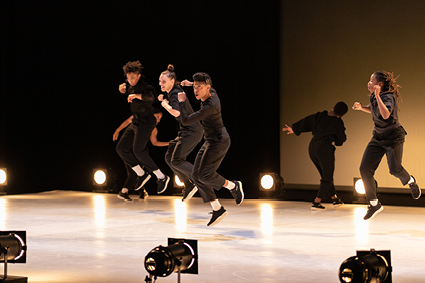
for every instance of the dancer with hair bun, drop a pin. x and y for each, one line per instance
(388, 138)
(187, 137)
(132, 145)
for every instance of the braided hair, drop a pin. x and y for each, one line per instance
(389, 81)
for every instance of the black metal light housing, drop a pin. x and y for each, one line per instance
(13, 246)
(367, 267)
(181, 255)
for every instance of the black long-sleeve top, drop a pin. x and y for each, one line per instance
(174, 103)
(141, 108)
(385, 125)
(322, 126)
(209, 114)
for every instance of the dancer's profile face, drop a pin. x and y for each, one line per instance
(165, 83)
(372, 83)
(133, 78)
(201, 90)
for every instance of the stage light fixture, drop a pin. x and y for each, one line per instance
(271, 182)
(181, 256)
(177, 182)
(3, 176)
(367, 267)
(100, 177)
(13, 250)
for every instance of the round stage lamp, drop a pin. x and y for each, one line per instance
(179, 256)
(366, 267)
(267, 182)
(3, 176)
(99, 177)
(177, 182)
(359, 186)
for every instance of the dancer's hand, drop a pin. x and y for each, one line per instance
(182, 96)
(161, 97)
(377, 90)
(133, 96)
(287, 129)
(122, 88)
(357, 106)
(186, 83)
(115, 135)
(165, 103)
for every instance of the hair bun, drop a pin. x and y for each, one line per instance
(170, 68)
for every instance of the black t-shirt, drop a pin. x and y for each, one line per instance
(174, 103)
(322, 126)
(385, 125)
(141, 108)
(209, 114)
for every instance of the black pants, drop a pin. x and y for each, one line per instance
(132, 145)
(322, 153)
(131, 178)
(177, 152)
(207, 161)
(372, 156)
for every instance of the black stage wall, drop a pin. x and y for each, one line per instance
(61, 64)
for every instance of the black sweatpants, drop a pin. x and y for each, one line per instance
(132, 145)
(322, 153)
(177, 152)
(207, 161)
(372, 156)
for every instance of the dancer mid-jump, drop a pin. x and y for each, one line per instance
(215, 147)
(388, 138)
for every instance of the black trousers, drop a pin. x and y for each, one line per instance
(132, 145)
(177, 152)
(322, 153)
(207, 161)
(372, 156)
(131, 178)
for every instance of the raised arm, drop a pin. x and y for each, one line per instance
(359, 106)
(154, 139)
(166, 104)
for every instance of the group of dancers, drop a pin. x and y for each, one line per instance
(387, 139)
(205, 123)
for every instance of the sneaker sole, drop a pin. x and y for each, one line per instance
(218, 219)
(120, 197)
(165, 186)
(243, 195)
(378, 211)
(143, 183)
(190, 195)
(420, 193)
(317, 209)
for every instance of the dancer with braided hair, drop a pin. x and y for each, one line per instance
(388, 138)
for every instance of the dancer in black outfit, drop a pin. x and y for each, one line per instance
(388, 138)
(327, 128)
(132, 145)
(130, 182)
(212, 152)
(188, 136)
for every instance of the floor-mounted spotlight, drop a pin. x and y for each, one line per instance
(3, 176)
(360, 192)
(13, 249)
(367, 267)
(271, 182)
(181, 256)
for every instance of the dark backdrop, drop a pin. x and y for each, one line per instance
(61, 64)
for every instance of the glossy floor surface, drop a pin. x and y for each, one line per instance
(93, 237)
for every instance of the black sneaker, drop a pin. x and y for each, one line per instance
(189, 192)
(237, 192)
(337, 202)
(162, 184)
(373, 210)
(143, 194)
(317, 206)
(217, 216)
(124, 196)
(414, 189)
(141, 181)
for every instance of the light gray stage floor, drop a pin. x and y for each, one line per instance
(92, 237)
